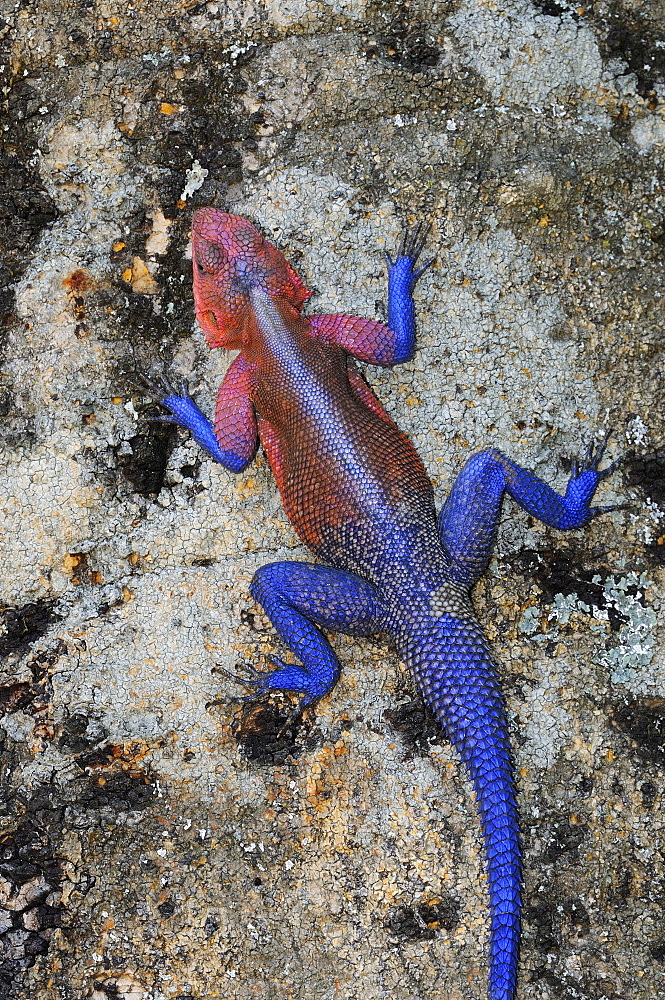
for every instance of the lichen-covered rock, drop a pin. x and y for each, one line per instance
(156, 839)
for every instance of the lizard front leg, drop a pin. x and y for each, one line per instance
(298, 597)
(368, 339)
(233, 438)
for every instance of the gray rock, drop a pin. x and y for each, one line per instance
(196, 857)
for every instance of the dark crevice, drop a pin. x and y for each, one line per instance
(423, 921)
(643, 722)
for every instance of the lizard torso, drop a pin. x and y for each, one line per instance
(340, 467)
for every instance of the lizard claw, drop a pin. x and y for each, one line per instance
(411, 246)
(283, 678)
(609, 508)
(158, 389)
(594, 456)
(595, 452)
(414, 239)
(255, 676)
(245, 682)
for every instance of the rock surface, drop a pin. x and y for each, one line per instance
(156, 841)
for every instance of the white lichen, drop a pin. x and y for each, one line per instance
(637, 432)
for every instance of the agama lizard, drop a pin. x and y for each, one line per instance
(358, 496)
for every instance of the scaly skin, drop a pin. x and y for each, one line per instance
(358, 496)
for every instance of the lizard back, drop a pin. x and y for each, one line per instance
(339, 465)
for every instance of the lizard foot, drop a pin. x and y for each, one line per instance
(584, 480)
(287, 677)
(593, 457)
(183, 411)
(256, 677)
(161, 391)
(266, 681)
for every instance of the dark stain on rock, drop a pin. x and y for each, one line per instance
(578, 917)
(25, 207)
(657, 950)
(416, 725)
(642, 720)
(30, 891)
(649, 792)
(558, 8)
(411, 45)
(191, 471)
(562, 837)
(159, 316)
(212, 135)
(422, 921)
(23, 626)
(542, 924)
(567, 988)
(33, 697)
(634, 39)
(119, 792)
(562, 572)
(14, 697)
(98, 759)
(73, 734)
(167, 908)
(111, 759)
(258, 732)
(647, 472)
(193, 124)
(624, 885)
(248, 617)
(198, 118)
(145, 468)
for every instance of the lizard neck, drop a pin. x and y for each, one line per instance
(275, 330)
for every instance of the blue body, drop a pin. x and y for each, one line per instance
(358, 495)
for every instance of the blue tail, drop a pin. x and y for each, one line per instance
(456, 673)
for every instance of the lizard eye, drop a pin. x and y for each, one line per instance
(211, 319)
(199, 267)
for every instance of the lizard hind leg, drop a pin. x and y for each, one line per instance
(299, 597)
(469, 517)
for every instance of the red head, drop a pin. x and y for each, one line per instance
(229, 257)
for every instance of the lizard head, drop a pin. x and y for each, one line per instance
(229, 258)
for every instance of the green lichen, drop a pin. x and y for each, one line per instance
(530, 620)
(624, 654)
(636, 638)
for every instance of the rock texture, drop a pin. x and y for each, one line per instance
(156, 840)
